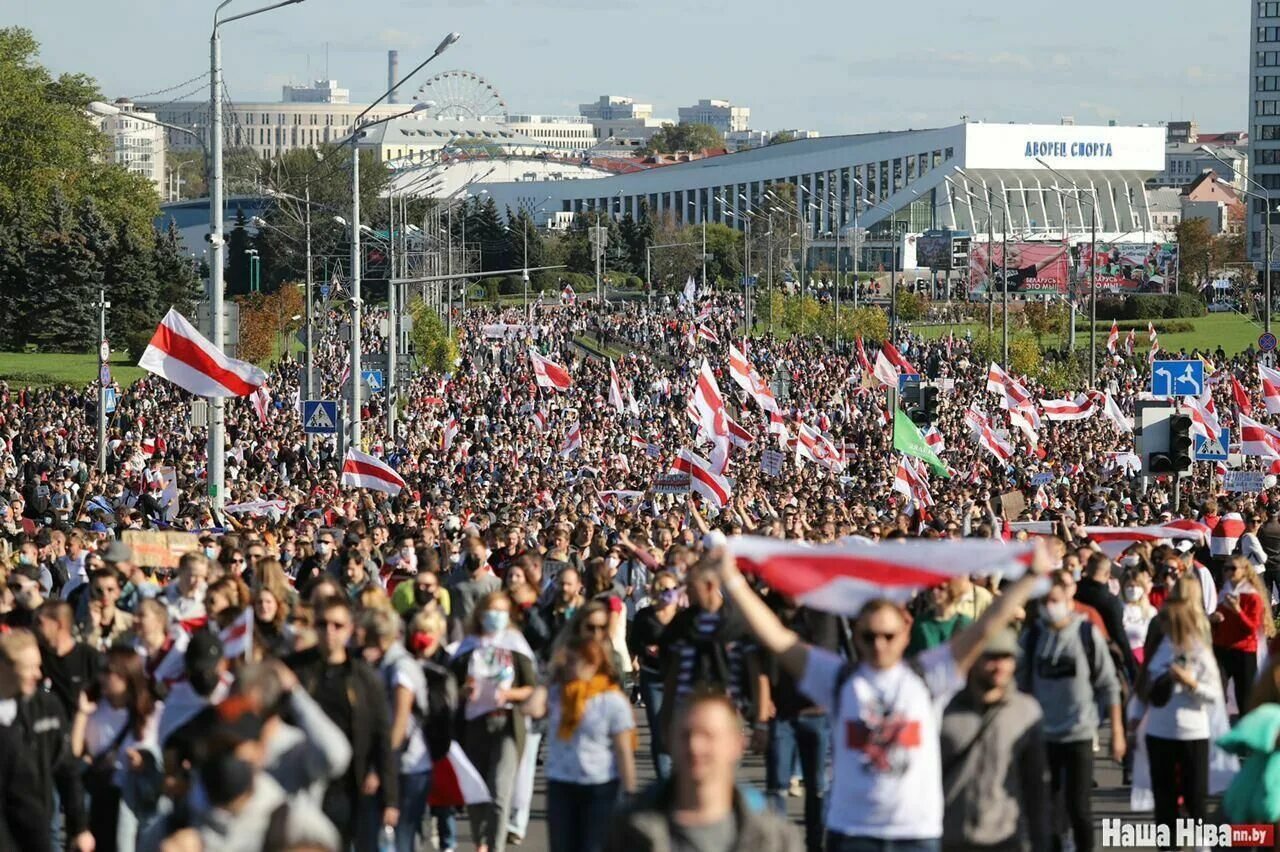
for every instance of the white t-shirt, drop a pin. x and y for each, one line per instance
(414, 757)
(588, 756)
(887, 770)
(1137, 618)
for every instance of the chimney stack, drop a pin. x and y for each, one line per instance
(393, 75)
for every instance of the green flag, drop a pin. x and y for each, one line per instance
(907, 439)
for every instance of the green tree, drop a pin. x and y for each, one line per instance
(238, 246)
(782, 136)
(1195, 247)
(674, 138)
(57, 314)
(13, 280)
(910, 305)
(435, 348)
(177, 284)
(131, 287)
(724, 244)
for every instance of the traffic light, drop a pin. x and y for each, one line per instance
(1178, 458)
(925, 410)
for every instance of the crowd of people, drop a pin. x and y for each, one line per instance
(331, 668)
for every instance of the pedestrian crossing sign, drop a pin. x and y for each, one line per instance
(320, 417)
(1214, 448)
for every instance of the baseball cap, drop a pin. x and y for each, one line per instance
(204, 651)
(118, 551)
(1003, 644)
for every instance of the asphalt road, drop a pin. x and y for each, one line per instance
(1110, 799)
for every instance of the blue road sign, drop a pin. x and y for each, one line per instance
(1177, 378)
(320, 417)
(372, 378)
(104, 375)
(109, 400)
(1266, 341)
(905, 379)
(1215, 450)
(324, 292)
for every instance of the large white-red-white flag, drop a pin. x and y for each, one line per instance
(890, 364)
(745, 376)
(455, 782)
(703, 479)
(1116, 540)
(708, 403)
(448, 432)
(549, 374)
(840, 577)
(572, 440)
(361, 470)
(1080, 408)
(987, 437)
(1203, 421)
(1113, 338)
(261, 399)
(182, 355)
(1257, 439)
(1270, 388)
(615, 390)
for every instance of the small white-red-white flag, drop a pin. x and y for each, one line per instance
(890, 364)
(549, 374)
(817, 448)
(361, 470)
(455, 782)
(572, 440)
(745, 376)
(1129, 342)
(449, 432)
(703, 480)
(237, 637)
(1257, 439)
(1270, 388)
(707, 334)
(182, 355)
(1113, 338)
(261, 399)
(1203, 421)
(707, 403)
(615, 390)
(934, 439)
(539, 420)
(1080, 408)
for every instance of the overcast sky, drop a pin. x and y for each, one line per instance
(837, 66)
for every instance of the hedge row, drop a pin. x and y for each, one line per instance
(1177, 326)
(1151, 306)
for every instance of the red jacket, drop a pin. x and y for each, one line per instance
(1239, 630)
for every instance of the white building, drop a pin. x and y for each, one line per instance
(905, 181)
(418, 138)
(721, 115)
(270, 129)
(565, 133)
(614, 107)
(319, 92)
(1165, 205)
(137, 145)
(1264, 118)
(1186, 161)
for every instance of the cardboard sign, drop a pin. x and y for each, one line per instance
(1244, 480)
(771, 462)
(159, 548)
(1012, 504)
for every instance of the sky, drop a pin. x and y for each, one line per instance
(836, 66)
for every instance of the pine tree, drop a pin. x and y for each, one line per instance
(486, 232)
(237, 260)
(58, 312)
(178, 283)
(13, 282)
(132, 290)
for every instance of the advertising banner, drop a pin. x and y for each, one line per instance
(1032, 268)
(1131, 267)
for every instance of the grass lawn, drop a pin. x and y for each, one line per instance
(39, 369)
(1232, 331)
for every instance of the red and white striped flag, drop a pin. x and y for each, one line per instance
(639, 443)
(817, 448)
(862, 357)
(549, 374)
(261, 399)
(1241, 397)
(707, 403)
(1203, 421)
(567, 295)
(778, 426)
(572, 440)
(153, 446)
(455, 782)
(1226, 534)
(1151, 335)
(707, 334)
(1113, 339)
(1129, 342)
(1270, 388)
(237, 637)
(934, 439)
(615, 390)
(703, 479)
(1080, 408)
(840, 578)
(1116, 540)
(361, 470)
(1112, 412)
(182, 355)
(1257, 439)
(539, 420)
(738, 435)
(911, 481)
(890, 363)
(986, 435)
(745, 376)
(449, 432)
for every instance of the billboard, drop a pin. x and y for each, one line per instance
(1131, 267)
(1064, 147)
(1032, 268)
(942, 250)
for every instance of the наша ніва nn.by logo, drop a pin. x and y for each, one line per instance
(1185, 833)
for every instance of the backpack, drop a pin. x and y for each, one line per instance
(1088, 640)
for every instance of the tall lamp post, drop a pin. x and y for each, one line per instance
(1093, 266)
(1267, 210)
(991, 262)
(217, 415)
(356, 304)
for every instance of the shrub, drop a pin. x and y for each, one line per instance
(1150, 306)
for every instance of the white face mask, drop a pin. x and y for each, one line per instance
(1133, 594)
(1056, 612)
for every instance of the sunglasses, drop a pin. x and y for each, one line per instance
(869, 637)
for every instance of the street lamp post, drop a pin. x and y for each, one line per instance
(1265, 198)
(217, 415)
(1093, 269)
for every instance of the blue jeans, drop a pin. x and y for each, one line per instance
(578, 815)
(413, 810)
(844, 843)
(807, 738)
(651, 689)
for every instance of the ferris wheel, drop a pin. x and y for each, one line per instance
(461, 94)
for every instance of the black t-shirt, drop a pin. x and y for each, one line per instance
(71, 674)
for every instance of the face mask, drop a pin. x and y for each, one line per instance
(322, 547)
(494, 620)
(211, 552)
(1133, 594)
(1056, 612)
(422, 597)
(25, 559)
(1130, 560)
(1076, 573)
(611, 563)
(669, 597)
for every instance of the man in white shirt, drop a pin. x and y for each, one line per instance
(185, 597)
(887, 774)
